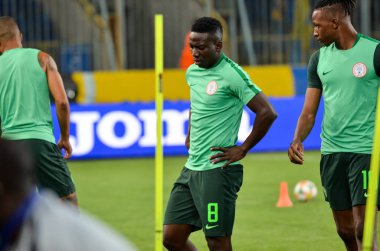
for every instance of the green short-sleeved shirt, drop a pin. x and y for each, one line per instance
(349, 80)
(24, 97)
(217, 95)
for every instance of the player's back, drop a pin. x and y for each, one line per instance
(24, 96)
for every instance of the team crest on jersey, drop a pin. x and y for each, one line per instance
(211, 88)
(359, 70)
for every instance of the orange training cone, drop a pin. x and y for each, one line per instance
(283, 199)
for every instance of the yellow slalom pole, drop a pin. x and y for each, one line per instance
(159, 160)
(371, 209)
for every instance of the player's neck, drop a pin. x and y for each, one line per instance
(13, 44)
(347, 38)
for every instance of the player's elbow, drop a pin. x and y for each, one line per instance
(270, 115)
(273, 115)
(266, 117)
(309, 117)
(62, 104)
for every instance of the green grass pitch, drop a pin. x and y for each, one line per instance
(121, 193)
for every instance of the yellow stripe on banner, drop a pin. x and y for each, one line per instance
(371, 208)
(159, 162)
(275, 81)
(120, 86)
(138, 85)
(176, 87)
(78, 78)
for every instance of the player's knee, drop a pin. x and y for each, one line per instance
(347, 234)
(219, 244)
(170, 242)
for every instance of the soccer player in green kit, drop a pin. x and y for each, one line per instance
(204, 195)
(346, 70)
(26, 77)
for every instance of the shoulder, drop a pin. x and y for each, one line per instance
(314, 59)
(315, 55)
(43, 56)
(25, 51)
(46, 61)
(368, 44)
(43, 59)
(377, 50)
(376, 60)
(312, 71)
(191, 68)
(29, 50)
(367, 39)
(232, 71)
(372, 46)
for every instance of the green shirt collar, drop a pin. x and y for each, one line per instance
(222, 56)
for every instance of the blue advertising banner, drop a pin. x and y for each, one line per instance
(129, 129)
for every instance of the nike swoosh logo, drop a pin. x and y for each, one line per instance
(365, 195)
(210, 227)
(325, 72)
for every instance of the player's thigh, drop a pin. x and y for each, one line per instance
(335, 182)
(51, 167)
(344, 221)
(181, 208)
(216, 192)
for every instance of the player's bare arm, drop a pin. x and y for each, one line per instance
(265, 116)
(57, 89)
(187, 141)
(304, 125)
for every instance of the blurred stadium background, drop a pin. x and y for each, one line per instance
(89, 35)
(105, 52)
(99, 36)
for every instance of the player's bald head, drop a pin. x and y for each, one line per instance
(8, 28)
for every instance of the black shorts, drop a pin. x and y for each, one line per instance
(345, 179)
(51, 167)
(206, 199)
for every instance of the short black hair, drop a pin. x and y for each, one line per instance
(347, 5)
(207, 25)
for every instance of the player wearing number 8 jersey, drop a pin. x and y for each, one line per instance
(347, 72)
(204, 195)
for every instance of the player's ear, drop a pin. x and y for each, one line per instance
(335, 23)
(219, 46)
